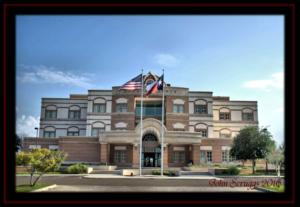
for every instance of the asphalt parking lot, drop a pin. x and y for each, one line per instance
(83, 183)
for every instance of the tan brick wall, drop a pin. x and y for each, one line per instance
(81, 149)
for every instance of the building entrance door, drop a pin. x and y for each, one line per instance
(149, 160)
(151, 151)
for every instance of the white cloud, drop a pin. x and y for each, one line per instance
(26, 125)
(166, 60)
(274, 82)
(44, 74)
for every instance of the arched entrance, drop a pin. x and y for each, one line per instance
(150, 151)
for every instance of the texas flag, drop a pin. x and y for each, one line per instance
(155, 86)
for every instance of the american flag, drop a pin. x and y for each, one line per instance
(135, 83)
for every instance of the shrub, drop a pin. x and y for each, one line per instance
(166, 172)
(233, 170)
(77, 168)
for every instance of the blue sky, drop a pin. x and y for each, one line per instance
(237, 56)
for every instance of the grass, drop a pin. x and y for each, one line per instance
(276, 188)
(29, 188)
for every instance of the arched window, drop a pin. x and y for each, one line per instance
(178, 106)
(99, 105)
(73, 131)
(202, 129)
(200, 107)
(224, 114)
(51, 112)
(74, 112)
(225, 133)
(247, 115)
(49, 132)
(97, 128)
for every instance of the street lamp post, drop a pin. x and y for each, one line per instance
(37, 130)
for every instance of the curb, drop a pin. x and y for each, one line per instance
(264, 190)
(45, 188)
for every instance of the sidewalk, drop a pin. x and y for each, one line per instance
(108, 189)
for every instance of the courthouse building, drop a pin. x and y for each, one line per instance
(103, 126)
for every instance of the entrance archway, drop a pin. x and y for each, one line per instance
(150, 151)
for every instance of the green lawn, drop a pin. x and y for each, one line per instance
(29, 188)
(275, 188)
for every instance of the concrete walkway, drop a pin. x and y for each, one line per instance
(107, 189)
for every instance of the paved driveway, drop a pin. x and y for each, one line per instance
(109, 183)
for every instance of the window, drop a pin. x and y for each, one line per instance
(178, 157)
(120, 156)
(53, 147)
(73, 134)
(200, 109)
(226, 156)
(203, 132)
(178, 108)
(99, 108)
(247, 117)
(50, 114)
(121, 107)
(97, 131)
(48, 134)
(224, 135)
(209, 156)
(74, 114)
(224, 116)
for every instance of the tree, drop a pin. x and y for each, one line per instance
(40, 161)
(276, 157)
(252, 143)
(271, 148)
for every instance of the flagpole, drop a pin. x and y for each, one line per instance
(141, 138)
(162, 126)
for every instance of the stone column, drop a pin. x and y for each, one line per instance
(103, 153)
(135, 156)
(196, 153)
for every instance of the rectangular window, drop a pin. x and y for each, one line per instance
(122, 107)
(73, 134)
(178, 108)
(99, 108)
(200, 109)
(120, 156)
(50, 114)
(74, 114)
(97, 131)
(224, 116)
(226, 156)
(178, 157)
(49, 134)
(247, 117)
(209, 156)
